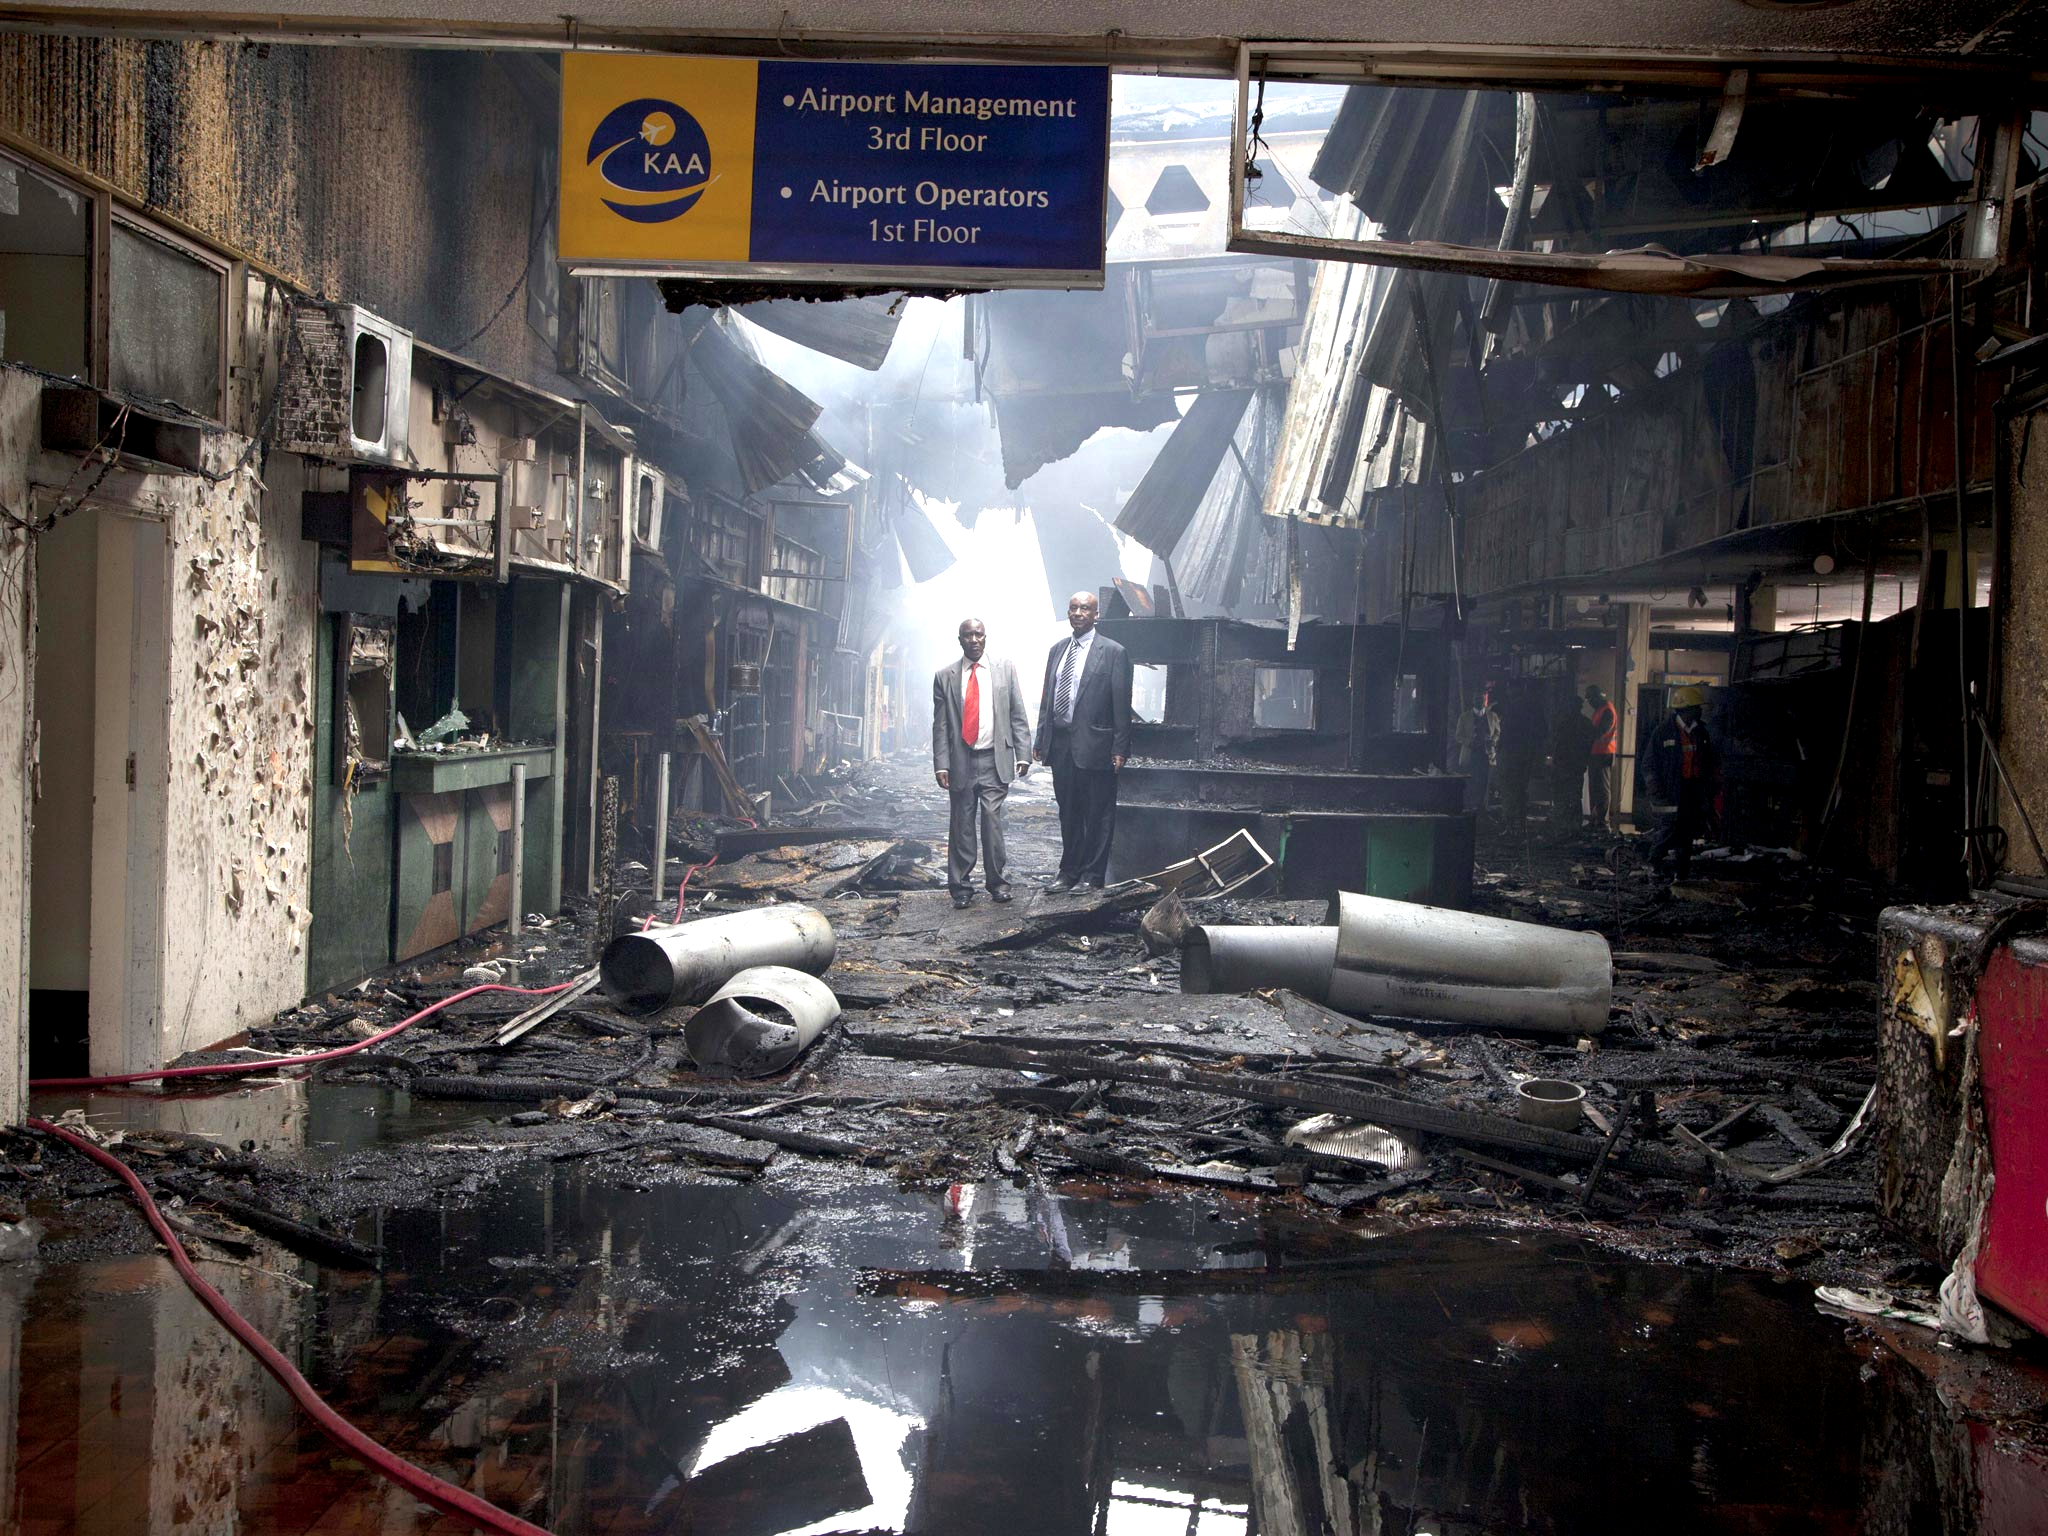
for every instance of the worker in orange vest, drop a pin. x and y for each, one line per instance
(1600, 758)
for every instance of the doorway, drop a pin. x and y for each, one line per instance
(60, 860)
(101, 788)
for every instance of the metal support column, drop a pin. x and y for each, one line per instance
(516, 922)
(1631, 670)
(660, 825)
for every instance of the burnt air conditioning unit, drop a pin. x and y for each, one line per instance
(349, 397)
(649, 498)
(380, 384)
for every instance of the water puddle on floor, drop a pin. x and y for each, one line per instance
(798, 1355)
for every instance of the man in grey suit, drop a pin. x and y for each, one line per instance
(978, 732)
(1084, 731)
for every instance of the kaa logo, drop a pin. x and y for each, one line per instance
(654, 156)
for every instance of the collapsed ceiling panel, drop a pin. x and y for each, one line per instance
(857, 331)
(925, 550)
(769, 420)
(1636, 194)
(1645, 270)
(1210, 560)
(1157, 513)
(1685, 174)
(1037, 430)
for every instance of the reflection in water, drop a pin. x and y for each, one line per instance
(877, 1433)
(783, 1359)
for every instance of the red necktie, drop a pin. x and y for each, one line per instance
(970, 708)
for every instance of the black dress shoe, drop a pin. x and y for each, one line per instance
(1087, 885)
(1060, 887)
(1003, 896)
(963, 900)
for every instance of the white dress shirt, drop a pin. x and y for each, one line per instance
(1080, 666)
(984, 705)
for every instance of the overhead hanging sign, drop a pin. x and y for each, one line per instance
(990, 176)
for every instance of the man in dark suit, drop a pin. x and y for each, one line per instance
(1084, 732)
(978, 736)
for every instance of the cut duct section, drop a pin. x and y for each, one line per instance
(689, 962)
(1398, 959)
(1219, 959)
(758, 1023)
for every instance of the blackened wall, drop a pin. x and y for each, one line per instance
(402, 180)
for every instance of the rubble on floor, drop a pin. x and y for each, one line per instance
(1047, 1039)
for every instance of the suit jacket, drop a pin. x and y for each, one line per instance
(1102, 704)
(1007, 721)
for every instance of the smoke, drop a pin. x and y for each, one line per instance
(1019, 554)
(924, 364)
(998, 577)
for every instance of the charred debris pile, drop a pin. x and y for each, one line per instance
(1722, 1111)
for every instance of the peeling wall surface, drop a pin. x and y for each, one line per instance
(244, 597)
(235, 783)
(2023, 649)
(19, 417)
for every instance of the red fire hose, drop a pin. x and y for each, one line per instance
(280, 1063)
(442, 1495)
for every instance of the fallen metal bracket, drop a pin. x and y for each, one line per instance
(1236, 861)
(547, 1008)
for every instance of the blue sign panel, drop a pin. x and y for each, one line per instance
(973, 168)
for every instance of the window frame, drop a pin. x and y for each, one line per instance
(97, 242)
(1314, 709)
(1165, 671)
(105, 208)
(223, 267)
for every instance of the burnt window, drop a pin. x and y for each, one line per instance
(1284, 698)
(1148, 692)
(372, 372)
(444, 867)
(45, 287)
(644, 511)
(505, 852)
(167, 328)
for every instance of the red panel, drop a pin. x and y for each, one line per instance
(2012, 1487)
(2012, 1012)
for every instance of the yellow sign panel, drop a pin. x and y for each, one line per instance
(648, 139)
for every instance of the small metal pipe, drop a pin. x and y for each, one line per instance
(515, 923)
(759, 1022)
(688, 962)
(660, 825)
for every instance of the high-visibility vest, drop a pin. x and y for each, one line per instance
(1606, 730)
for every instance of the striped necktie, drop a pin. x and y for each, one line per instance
(1063, 699)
